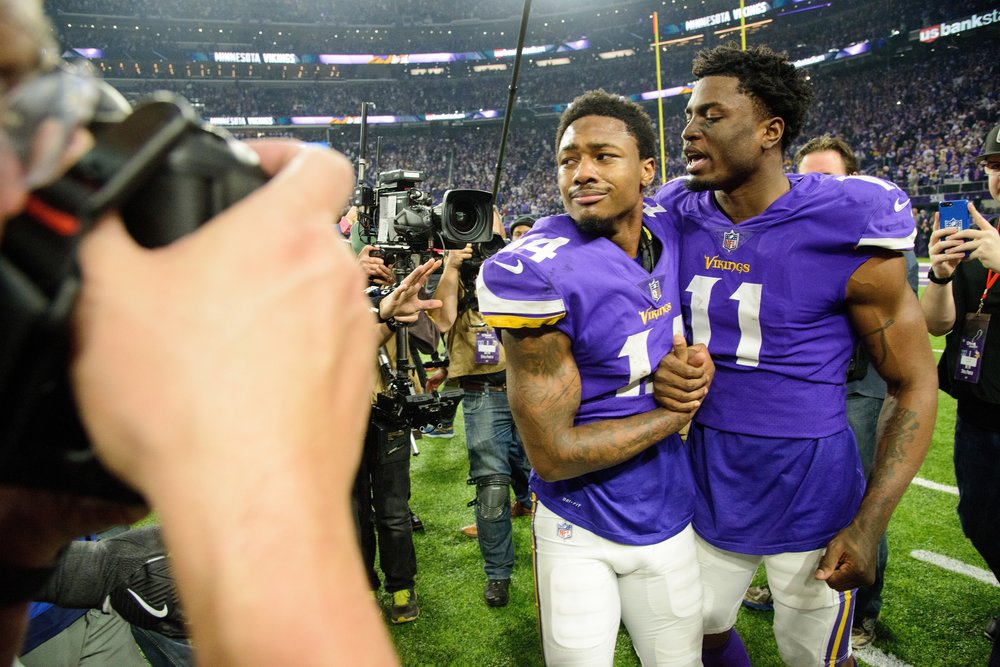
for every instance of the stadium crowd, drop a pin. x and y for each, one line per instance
(911, 146)
(172, 30)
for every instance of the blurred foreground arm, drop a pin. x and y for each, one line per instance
(225, 376)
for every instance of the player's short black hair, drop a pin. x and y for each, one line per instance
(826, 142)
(602, 103)
(768, 77)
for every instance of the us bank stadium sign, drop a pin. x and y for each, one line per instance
(931, 33)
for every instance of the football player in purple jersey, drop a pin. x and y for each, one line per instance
(780, 275)
(589, 305)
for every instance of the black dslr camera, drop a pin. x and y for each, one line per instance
(167, 173)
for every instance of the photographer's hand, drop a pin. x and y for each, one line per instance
(456, 257)
(447, 290)
(375, 267)
(224, 376)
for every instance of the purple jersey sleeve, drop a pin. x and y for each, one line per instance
(890, 217)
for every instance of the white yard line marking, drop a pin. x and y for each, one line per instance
(956, 566)
(928, 484)
(876, 658)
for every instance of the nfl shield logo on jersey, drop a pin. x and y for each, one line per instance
(731, 240)
(564, 530)
(654, 289)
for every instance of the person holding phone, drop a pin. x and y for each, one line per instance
(960, 301)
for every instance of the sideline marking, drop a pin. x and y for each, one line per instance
(877, 658)
(956, 566)
(928, 484)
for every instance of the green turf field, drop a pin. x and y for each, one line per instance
(931, 617)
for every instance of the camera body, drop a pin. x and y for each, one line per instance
(402, 223)
(166, 173)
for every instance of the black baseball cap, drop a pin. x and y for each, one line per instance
(992, 145)
(528, 220)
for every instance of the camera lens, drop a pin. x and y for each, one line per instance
(466, 217)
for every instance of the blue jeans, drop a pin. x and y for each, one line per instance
(862, 415)
(977, 472)
(495, 449)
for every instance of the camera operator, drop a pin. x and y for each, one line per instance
(496, 457)
(382, 488)
(219, 377)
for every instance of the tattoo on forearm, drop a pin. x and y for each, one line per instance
(880, 343)
(545, 397)
(900, 431)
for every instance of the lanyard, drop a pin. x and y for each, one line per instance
(991, 278)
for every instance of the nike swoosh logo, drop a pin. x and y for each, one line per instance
(899, 207)
(515, 269)
(158, 613)
(394, 449)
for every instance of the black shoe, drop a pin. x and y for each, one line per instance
(992, 629)
(416, 523)
(495, 593)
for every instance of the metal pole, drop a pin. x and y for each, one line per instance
(659, 99)
(511, 96)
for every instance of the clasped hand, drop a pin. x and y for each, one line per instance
(683, 376)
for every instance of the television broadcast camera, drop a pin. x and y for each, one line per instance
(400, 220)
(405, 227)
(167, 173)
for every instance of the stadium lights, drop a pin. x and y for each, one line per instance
(552, 61)
(748, 26)
(681, 40)
(621, 53)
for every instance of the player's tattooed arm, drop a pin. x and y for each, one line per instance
(884, 310)
(543, 386)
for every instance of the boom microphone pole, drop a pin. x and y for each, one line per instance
(364, 195)
(511, 96)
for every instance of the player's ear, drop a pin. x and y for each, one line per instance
(648, 171)
(773, 129)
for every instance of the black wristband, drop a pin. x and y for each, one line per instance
(22, 584)
(393, 324)
(934, 279)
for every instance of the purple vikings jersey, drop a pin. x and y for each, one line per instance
(768, 298)
(621, 320)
